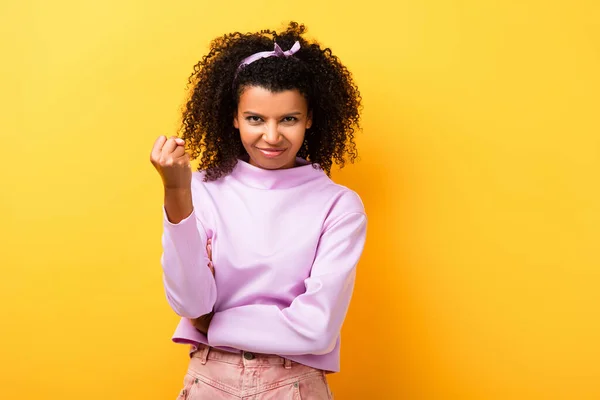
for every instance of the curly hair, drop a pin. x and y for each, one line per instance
(332, 97)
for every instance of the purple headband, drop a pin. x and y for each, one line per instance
(277, 52)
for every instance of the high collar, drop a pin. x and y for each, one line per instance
(260, 178)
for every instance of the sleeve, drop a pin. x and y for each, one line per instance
(189, 285)
(312, 323)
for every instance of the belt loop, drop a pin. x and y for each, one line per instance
(204, 354)
(193, 349)
(287, 364)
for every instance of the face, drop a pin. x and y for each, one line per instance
(272, 126)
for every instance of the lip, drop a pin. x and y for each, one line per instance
(271, 153)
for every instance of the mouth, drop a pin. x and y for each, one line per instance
(271, 153)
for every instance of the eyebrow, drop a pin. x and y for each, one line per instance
(262, 116)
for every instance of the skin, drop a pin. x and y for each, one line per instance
(272, 128)
(272, 121)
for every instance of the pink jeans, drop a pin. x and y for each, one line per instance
(214, 374)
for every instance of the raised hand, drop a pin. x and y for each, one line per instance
(172, 162)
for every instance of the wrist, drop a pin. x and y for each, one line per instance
(177, 190)
(178, 203)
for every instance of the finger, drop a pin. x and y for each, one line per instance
(178, 152)
(157, 147)
(169, 147)
(179, 141)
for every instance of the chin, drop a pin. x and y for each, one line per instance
(272, 163)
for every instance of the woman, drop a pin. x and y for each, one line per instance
(268, 115)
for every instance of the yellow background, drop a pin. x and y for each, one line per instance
(480, 174)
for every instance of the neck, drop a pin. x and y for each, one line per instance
(259, 178)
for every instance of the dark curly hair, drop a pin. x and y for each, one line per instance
(332, 97)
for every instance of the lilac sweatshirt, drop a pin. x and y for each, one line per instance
(285, 248)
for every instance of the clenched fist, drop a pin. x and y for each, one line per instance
(172, 162)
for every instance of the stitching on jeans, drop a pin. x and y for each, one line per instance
(236, 391)
(329, 394)
(288, 381)
(185, 392)
(257, 362)
(223, 361)
(216, 384)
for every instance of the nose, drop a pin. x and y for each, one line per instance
(271, 134)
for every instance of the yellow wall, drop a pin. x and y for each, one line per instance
(480, 166)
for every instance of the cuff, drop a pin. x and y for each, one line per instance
(182, 222)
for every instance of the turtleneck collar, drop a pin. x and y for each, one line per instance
(260, 178)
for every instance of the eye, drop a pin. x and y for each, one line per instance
(290, 119)
(253, 118)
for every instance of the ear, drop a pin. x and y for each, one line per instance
(309, 120)
(236, 124)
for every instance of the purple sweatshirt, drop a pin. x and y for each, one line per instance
(285, 246)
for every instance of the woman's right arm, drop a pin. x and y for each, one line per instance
(189, 284)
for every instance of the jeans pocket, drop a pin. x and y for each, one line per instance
(313, 387)
(188, 383)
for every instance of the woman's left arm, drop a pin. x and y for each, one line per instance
(312, 323)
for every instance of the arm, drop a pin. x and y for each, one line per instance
(189, 284)
(202, 323)
(312, 323)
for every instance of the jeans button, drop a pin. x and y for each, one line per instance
(248, 356)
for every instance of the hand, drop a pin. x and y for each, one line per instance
(203, 322)
(209, 252)
(172, 162)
